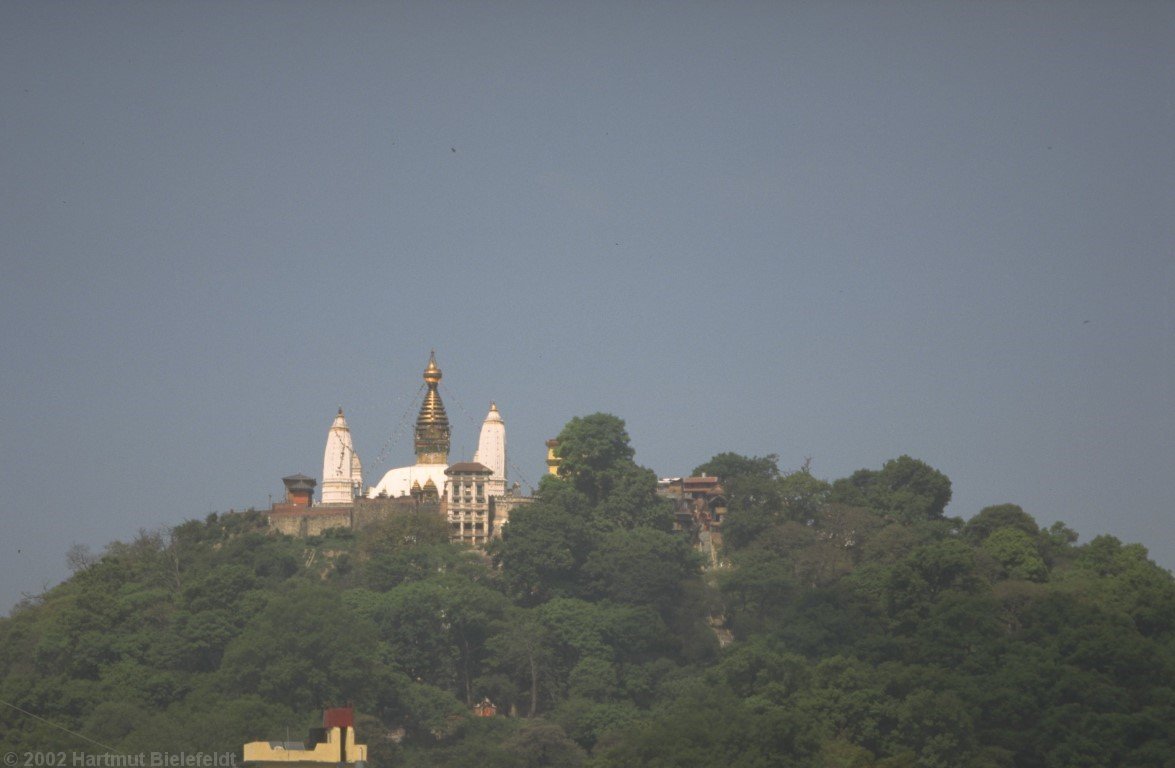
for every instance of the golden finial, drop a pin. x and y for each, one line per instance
(432, 374)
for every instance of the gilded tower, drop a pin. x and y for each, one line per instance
(432, 425)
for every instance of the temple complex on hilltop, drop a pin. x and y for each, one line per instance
(473, 496)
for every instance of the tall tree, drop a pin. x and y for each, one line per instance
(754, 498)
(991, 519)
(591, 451)
(906, 488)
(545, 544)
(306, 649)
(641, 567)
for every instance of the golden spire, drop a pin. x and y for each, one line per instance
(432, 374)
(432, 425)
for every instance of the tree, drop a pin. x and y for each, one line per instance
(521, 648)
(991, 519)
(395, 533)
(917, 582)
(758, 496)
(803, 495)
(544, 546)
(1016, 555)
(436, 629)
(591, 449)
(305, 649)
(759, 586)
(542, 745)
(641, 567)
(909, 489)
(632, 502)
(750, 483)
(79, 558)
(415, 563)
(729, 466)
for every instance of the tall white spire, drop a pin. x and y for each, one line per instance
(491, 446)
(342, 475)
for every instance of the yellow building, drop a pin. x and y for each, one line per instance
(333, 743)
(552, 457)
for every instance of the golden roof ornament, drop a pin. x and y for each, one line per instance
(432, 374)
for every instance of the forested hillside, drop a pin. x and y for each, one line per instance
(866, 628)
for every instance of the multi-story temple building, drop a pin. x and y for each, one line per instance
(473, 496)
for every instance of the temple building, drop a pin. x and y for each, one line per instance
(473, 496)
(342, 473)
(491, 449)
(699, 507)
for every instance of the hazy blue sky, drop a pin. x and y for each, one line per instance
(836, 230)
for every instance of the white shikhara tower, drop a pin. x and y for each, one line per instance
(491, 450)
(342, 473)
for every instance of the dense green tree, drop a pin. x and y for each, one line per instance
(759, 497)
(522, 650)
(641, 567)
(754, 497)
(542, 745)
(931, 571)
(592, 450)
(596, 460)
(730, 466)
(1015, 554)
(632, 502)
(708, 724)
(991, 519)
(589, 722)
(804, 496)
(435, 629)
(384, 571)
(405, 530)
(906, 488)
(759, 588)
(307, 649)
(1122, 579)
(544, 546)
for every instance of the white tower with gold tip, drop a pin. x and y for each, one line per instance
(342, 474)
(491, 449)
